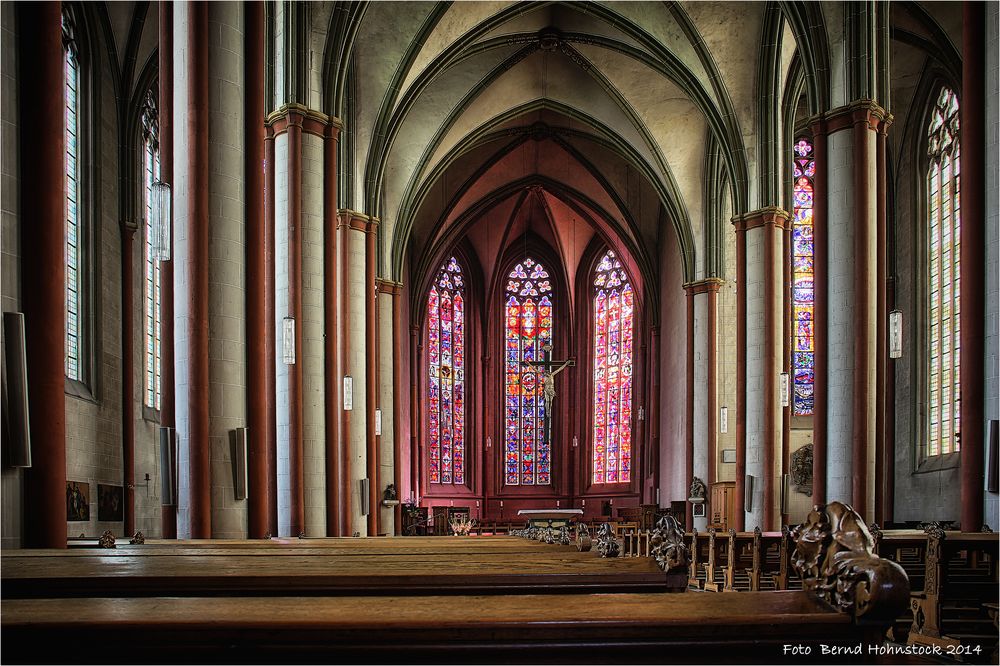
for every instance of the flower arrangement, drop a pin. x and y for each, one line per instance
(461, 525)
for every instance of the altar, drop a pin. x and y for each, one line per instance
(554, 518)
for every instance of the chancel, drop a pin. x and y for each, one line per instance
(436, 330)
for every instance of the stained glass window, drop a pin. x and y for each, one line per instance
(446, 345)
(74, 232)
(528, 306)
(803, 302)
(944, 249)
(151, 266)
(613, 308)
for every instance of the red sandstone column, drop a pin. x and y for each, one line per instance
(371, 372)
(820, 273)
(128, 378)
(256, 321)
(654, 409)
(295, 468)
(168, 514)
(883, 439)
(331, 322)
(786, 363)
(739, 520)
(270, 378)
(196, 270)
(397, 414)
(43, 279)
(343, 300)
(973, 262)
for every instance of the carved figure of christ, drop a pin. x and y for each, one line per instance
(550, 370)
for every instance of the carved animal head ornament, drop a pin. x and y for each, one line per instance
(834, 556)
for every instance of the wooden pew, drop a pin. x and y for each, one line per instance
(718, 552)
(435, 629)
(961, 577)
(204, 622)
(371, 567)
(699, 555)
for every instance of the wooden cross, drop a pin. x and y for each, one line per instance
(552, 368)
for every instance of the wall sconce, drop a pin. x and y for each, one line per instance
(784, 388)
(159, 222)
(895, 334)
(288, 340)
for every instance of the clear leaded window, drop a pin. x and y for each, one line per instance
(151, 266)
(74, 232)
(613, 308)
(943, 280)
(803, 301)
(446, 370)
(528, 310)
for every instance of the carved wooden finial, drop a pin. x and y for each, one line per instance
(607, 543)
(834, 556)
(583, 540)
(138, 539)
(107, 540)
(667, 545)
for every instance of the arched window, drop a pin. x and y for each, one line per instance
(803, 349)
(76, 315)
(151, 265)
(613, 308)
(528, 307)
(943, 252)
(446, 369)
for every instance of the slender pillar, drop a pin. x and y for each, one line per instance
(701, 395)
(654, 413)
(862, 404)
(256, 310)
(397, 449)
(371, 377)
(786, 366)
(689, 407)
(168, 514)
(43, 278)
(343, 265)
(333, 327)
(414, 412)
(712, 389)
(973, 267)
(295, 397)
(883, 439)
(819, 312)
(739, 521)
(128, 377)
(191, 255)
(270, 443)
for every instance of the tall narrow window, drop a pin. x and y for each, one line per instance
(528, 311)
(446, 344)
(613, 308)
(803, 350)
(74, 231)
(943, 226)
(151, 266)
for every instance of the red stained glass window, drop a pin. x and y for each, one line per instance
(614, 303)
(446, 397)
(528, 312)
(803, 301)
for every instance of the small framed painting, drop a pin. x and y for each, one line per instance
(77, 501)
(110, 504)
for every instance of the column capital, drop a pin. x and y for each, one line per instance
(358, 221)
(705, 286)
(311, 121)
(767, 216)
(386, 286)
(858, 112)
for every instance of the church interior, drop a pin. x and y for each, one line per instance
(693, 281)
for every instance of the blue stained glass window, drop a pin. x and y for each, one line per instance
(446, 375)
(803, 296)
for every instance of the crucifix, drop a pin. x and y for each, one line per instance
(550, 370)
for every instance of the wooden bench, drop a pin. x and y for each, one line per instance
(218, 617)
(475, 566)
(960, 579)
